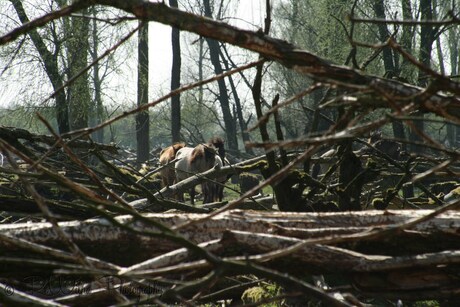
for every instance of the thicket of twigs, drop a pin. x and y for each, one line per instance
(75, 231)
(80, 225)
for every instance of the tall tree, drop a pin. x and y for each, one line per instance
(407, 35)
(236, 98)
(77, 51)
(50, 63)
(427, 38)
(214, 51)
(175, 81)
(97, 116)
(142, 118)
(391, 70)
(453, 41)
(384, 34)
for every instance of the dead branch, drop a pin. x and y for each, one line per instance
(328, 243)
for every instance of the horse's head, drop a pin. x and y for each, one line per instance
(218, 143)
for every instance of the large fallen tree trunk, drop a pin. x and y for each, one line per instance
(373, 250)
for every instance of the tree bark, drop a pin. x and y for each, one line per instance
(214, 51)
(239, 109)
(175, 81)
(142, 118)
(426, 45)
(97, 116)
(77, 51)
(361, 249)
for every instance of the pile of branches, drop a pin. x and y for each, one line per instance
(79, 242)
(76, 230)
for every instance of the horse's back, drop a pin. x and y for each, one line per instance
(183, 153)
(182, 164)
(202, 158)
(166, 156)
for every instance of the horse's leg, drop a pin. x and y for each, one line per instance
(165, 181)
(221, 192)
(192, 196)
(215, 188)
(179, 196)
(206, 190)
(171, 179)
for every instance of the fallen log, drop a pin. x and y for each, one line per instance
(100, 236)
(370, 249)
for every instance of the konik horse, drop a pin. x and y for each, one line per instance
(192, 161)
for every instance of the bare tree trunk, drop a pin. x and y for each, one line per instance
(392, 71)
(239, 109)
(78, 47)
(407, 69)
(426, 45)
(230, 127)
(379, 10)
(390, 67)
(175, 81)
(142, 118)
(98, 116)
(453, 40)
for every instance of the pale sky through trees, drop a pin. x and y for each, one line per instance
(249, 16)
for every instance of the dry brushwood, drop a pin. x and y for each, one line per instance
(351, 245)
(69, 234)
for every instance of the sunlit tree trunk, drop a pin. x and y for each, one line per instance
(407, 35)
(78, 47)
(142, 118)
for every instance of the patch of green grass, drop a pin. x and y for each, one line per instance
(232, 191)
(426, 304)
(262, 292)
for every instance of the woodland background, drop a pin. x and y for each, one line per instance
(342, 111)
